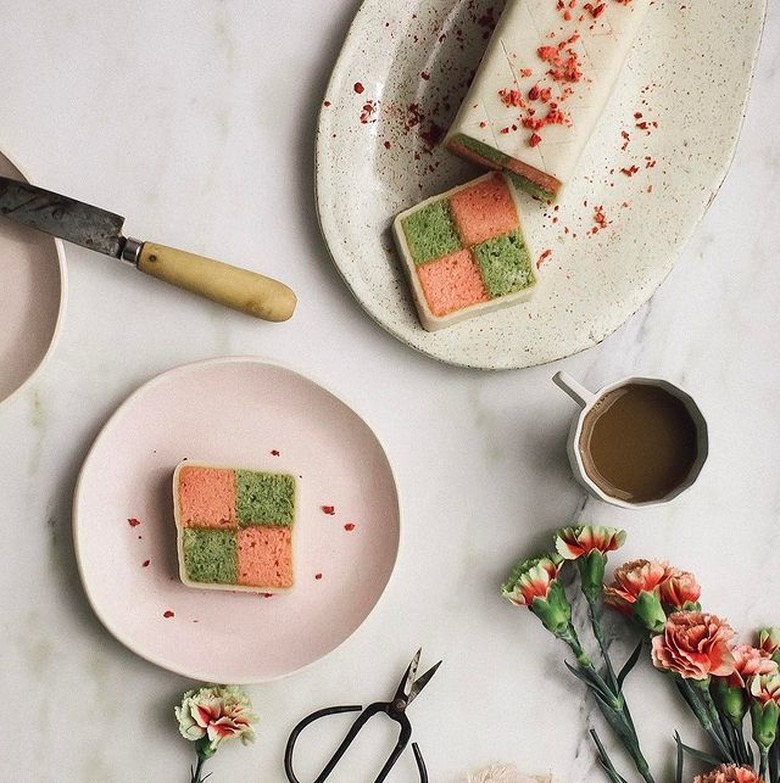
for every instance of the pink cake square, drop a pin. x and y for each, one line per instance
(207, 497)
(484, 210)
(452, 282)
(265, 557)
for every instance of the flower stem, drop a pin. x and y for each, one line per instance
(197, 771)
(764, 756)
(694, 695)
(611, 704)
(598, 633)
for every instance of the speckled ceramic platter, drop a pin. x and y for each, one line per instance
(32, 298)
(655, 162)
(235, 412)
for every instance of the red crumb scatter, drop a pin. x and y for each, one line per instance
(267, 595)
(526, 72)
(145, 564)
(594, 10)
(359, 88)
(425, 76)
(330, 510)
(133, 522)
(318, 576)
(629, 171)
(626, 138)
(349, 527)
(432, 135)
(367, 112)
(275, 452)
(387, 145)
(513, 97)
(534, 140)
(544, 257)
(168, 614)
(326, 104)
(599, 219)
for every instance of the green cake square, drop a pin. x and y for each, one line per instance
(505, 264)
(264, 498)
(430, 232)
(209, 555)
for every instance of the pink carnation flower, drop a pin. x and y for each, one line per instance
(729, 773)
(216, 712)
(765, 688)
(574, 542)
(531, 579)
(749, 661)
(694, 645)
(631, 579)
(769, 640)
(679, 588)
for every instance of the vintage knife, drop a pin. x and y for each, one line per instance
(100, 230)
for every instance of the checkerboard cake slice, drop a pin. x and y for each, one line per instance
(543, 82)
(464, 252)
(234, 527)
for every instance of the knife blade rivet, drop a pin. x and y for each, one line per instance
(152, 258)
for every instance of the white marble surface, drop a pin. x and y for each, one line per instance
(196, 120)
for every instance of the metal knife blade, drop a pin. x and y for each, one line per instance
(61, 216)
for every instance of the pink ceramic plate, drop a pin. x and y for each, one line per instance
(32, 298)
(243, 412)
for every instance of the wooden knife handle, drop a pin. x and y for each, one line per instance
(232, 286)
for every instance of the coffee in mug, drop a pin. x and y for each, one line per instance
(636, 442)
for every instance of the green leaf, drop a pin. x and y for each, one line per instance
(713, 761)
(595, 683)
(680, 757)
(605, 761)
(629, 664)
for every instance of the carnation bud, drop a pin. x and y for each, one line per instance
(554, 611)
(731, 701)
(591, 568)
(764, 719)
(649, 612)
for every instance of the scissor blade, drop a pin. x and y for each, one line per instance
(421, 682)
(405, 688)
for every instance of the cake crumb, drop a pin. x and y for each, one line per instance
(330, 510)
(168, 614)
(349, 527)
(275, 452)
(544, 257)
(145, 564)
(318, 576)
(133, 522)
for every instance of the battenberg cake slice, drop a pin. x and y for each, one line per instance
(464, 252)
(234, 527)
(543, 82)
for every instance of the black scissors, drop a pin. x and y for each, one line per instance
(408, 689)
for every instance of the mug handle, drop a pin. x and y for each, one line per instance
(575, 390)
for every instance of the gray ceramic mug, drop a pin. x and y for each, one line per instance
(576, 449)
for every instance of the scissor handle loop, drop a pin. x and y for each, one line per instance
(288, 751)
(357, 725)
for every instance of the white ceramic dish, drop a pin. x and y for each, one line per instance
(243, 412)
(32, 298)
(397, 84)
